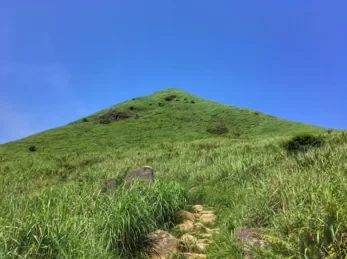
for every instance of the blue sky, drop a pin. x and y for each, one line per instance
(62, 60)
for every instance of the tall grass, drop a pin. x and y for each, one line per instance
(52, 207)
(72, 222)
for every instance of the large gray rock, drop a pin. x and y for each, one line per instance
(144, 174)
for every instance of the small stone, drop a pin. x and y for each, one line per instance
(188, 215)
(206, 235)
(195, 256)
(207, 212)
(197, 208)
(205, 218)
(186, 226)
(202, 247)
(188, 239)
(199, 227)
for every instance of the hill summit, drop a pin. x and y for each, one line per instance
(168, 115)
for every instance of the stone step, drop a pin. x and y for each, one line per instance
(207, 212)
(194, 256)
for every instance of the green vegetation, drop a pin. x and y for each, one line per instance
(163, 121)
(52, 204)
(303, 143)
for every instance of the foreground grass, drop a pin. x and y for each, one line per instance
(52, 206)
(71, 222)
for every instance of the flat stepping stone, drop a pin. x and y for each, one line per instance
(208, 236)
(195, 256)
(188, 239)
(206, 218)
(202, 247)
(186, 226)
(198, 208)
(188, 215)
(206, 212)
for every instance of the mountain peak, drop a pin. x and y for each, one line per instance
(167, 115)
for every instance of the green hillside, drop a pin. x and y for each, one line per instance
(169, 115)
(243, 163)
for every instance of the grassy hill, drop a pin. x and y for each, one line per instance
(166, 116)
(202, 152)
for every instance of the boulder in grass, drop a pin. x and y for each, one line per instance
(143, 174)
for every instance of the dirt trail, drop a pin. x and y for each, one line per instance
(190, 239)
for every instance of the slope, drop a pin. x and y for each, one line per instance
(202, 152)
(169, 115)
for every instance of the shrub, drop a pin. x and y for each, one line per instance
(170, 97)
(85, 120)
(192, 101)
(303, 143)
(218, 129)
(32, 149)
(161, 104)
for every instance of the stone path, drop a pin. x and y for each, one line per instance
(190, 239)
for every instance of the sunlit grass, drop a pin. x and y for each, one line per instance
(52, 205)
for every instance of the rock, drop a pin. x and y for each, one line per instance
(209, 235)
(144, 175)
(197, 208)
(195, 256)
(200, 227)
(187, 215)
(162, 244)
(110, 116)
(186, 226)
(207, 218)
(206, 212)
(188, 239)
(250, 236)
(109, 185)
(202, 247)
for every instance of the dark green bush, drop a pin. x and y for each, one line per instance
(170, 97)
(192, 101)
(85, 120)
(32, 148)
(218, 129)
(303, 143)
